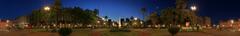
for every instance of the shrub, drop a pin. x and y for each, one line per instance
(65, 31)
(173, 30)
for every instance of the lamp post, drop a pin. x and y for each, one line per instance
(232, 22)
(47, 8)
(193, 8)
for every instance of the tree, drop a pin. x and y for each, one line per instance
(106, 17)
(207, 21)
(35, 17)
(68, 15)
(171, 16)
(154, 18)
(96, 11)
(168, 15)
(78, 15)
(132, 18)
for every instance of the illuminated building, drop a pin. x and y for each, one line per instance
(230, 24)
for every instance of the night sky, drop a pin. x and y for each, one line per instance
(115, 9)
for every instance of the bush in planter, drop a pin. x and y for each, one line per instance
(64, 31)
(173, 30)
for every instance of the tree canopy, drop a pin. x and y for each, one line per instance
(67, 15)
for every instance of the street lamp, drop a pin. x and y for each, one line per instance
(135, 18)
(193, 8)
(232, 21)
(7, 21)
(47, 8)
(187, 24)
(98, 22)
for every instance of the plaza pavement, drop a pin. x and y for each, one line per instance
(132, 33)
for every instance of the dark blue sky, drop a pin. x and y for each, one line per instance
(219, 9)
(216, 9)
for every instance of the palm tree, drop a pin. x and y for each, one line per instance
(96, 11)
(154, 18)
(143, 11)
(105, 17)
